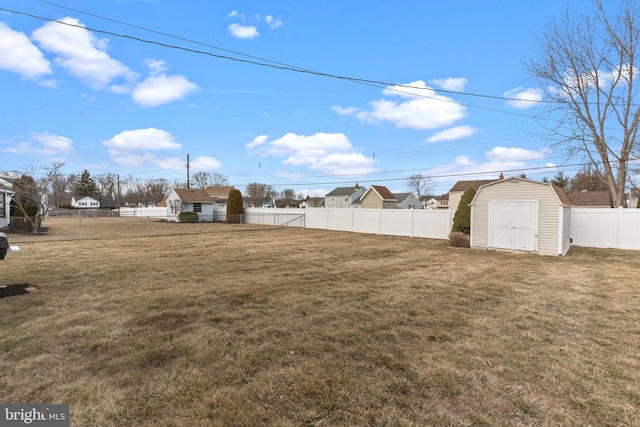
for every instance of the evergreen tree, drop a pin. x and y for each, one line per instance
(235, 207)
(86, 186)
(462, 218)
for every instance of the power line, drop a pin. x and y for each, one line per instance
(271, 63)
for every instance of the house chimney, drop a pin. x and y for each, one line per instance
(501, 176)
(357, 186)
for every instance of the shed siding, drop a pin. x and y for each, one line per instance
(566, 229)
(371, 201)
(548, 226)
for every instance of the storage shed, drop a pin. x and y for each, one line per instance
(522, 215)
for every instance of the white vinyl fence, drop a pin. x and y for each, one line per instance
(590, 227)
(606, 228)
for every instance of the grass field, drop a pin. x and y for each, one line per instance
(253, 326)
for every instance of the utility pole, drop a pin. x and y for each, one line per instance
(188, 186)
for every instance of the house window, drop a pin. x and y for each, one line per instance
(2, 196)
(197, 207)
(346, 200)
(332, 199)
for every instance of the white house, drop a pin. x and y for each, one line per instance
(85, 203)
(5, 202)
(190, 200)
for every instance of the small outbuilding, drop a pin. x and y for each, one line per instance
(522, 215)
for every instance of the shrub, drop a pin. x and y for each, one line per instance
(235, 207)
(462, 218)
(458, 239)
(189, 217)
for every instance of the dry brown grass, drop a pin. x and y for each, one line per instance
(248, 326)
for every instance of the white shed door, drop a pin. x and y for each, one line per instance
(513, 225)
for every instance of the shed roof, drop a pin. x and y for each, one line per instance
(193, 195)
(217, 191)
(589, 198)
(402, 196)
(559, 192)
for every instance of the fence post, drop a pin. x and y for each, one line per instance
(80, 224)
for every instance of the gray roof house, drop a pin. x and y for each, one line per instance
(344, 197)
(407, 201)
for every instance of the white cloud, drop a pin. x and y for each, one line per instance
(20, 56)
(81, 53)
(456, 84)
(505, 154)
(139, 146)
(205, 162)
(235, 14)
(43, 144)
(149, 139)
(162, 89)
(243, 31)
(524, 98)
(257, 142)
(349, 111)
(452, 134)
(421, 108)
(273, 22)
(329, 153)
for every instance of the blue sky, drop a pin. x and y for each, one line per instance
(111, 104)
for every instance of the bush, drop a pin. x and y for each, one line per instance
(189, 217)
(462, 218)
(458, 239)
(235, 207)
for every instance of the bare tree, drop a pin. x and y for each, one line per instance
(588, 179)
(107, 185)
(287, 197)
(589, 63)
(151, 191)
(220, 180)
(420, 184)
(202, 179)
(30, 198)
(259, 194)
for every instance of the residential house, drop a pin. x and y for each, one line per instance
(407, 201)
(344, 197)
(589, 199)
(85, 203)
(190, 200)
(443, 202)
(378, 197)
(456, 192)
(314, 202)
(219, 194)
(429, 202)
(5, 202)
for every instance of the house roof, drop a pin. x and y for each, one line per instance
(193, 195)
(402, 196)
(343, 191)
(475, 184)
(219, 191)
(589, 198)
(382, 192)
(444, 197)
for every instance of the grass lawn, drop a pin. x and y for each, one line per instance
(252, 326)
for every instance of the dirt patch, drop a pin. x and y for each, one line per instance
(18, 289)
